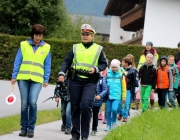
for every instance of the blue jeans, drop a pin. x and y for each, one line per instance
(66, 113)
(171, 96)
(111, 106)
(29, 92)
(124, 109)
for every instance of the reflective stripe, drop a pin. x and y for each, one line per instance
(33, 63)
(97, 54)
(82, 64)
(74, 49)
(85, 64)
(32, 73)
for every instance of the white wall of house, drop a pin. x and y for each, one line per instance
(116, 31)
(162, 23)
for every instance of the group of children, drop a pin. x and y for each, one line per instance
(118, 86)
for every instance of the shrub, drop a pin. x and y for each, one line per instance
(59, 48)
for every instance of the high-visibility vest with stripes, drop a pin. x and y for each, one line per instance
(142, 60)
(32, 66)
(86, 58)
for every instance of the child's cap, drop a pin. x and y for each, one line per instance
(165, 58)
(115, 63)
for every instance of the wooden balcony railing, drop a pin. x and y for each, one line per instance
(133, 20)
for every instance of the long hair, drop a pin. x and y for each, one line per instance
(133, 62)
(152, 51)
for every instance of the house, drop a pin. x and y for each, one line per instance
(139, 21)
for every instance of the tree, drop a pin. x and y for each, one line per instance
(18, 16)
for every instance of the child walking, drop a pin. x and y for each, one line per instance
(101, 92)
(164, 81)
(117, 91)
(147, 77)
(65, 107)
(175, 73)
(130, 76)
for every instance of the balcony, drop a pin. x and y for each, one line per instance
(133, 20)
(135, 41)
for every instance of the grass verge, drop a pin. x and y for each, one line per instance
(12, 123)
(151, 125)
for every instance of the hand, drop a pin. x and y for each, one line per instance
(98, 97)
(123, 101)
(45, 85)
(152, 90)
(13, 81)
(92, 70)
(57, 99)
(61, 78)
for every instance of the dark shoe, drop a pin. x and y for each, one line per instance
(84, 138)
(152, 104)
(119, 117)
(68, 131)
(124, 119)
(74, 139)
(30, 134)
(23, 134)
(63, 127)
(136, 104)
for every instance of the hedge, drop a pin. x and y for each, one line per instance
(59, 48)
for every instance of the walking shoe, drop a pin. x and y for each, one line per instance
(108, 128)
(93, 133)
(124, 119)
(74, 139)
(63, 127)
(119, 117)
(169, 104)
(105, 121)
(68, 131)
(113, 125)
(30, 134)
(100, 117)
(23, 134)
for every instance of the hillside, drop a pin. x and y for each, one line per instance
(86, 7)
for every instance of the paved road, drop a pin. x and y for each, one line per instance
(51, 131)
(8, 110)
(46, 131)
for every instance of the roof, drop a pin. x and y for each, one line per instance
(119, 7)
(100, 24)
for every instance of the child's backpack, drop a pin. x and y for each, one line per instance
(136, 76)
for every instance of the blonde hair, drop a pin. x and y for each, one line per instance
(170, 56)
(132, 59)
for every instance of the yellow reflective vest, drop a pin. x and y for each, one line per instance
(32, 66)
(86, 58)
(142, 60)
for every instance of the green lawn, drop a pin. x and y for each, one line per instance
(12, 123)
(151, 125)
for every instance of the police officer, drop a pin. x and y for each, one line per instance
(87, 56)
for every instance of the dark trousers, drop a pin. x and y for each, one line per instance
(95, 111)
(82, 95)
(177, 93)
(162, 97)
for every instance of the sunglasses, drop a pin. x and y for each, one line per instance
(85, 34)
